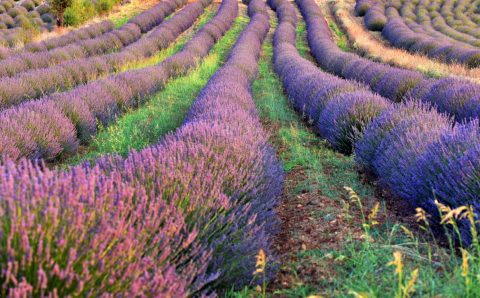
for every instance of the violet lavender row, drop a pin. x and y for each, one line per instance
(109, 42)
(416, 152)
(41, 82)
(401, 36)
(432, 15)
(55, 125)
(459, 98)
(180, 210)
(88, 32)
(323, 98)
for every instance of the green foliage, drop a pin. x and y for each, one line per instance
(340, 37)
(103, 6)
(58, 7)
(79, 11)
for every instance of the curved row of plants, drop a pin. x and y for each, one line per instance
(417, 153)
(87, 32)
(83, 33)
(105, 43)
(371, 46)
(416, 39)
(438, 16)
(41, 82)
(459, 98)
(181, 218)
(55, 125)
(464, 12)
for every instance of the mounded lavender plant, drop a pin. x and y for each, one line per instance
(374, 17)
(345, 117)
(404, 143)
(367, 146)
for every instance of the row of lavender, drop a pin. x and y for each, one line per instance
(171, 220)
(462, 15)
(459, 98)
(105, 43)
(41, 82)
(436, 16)
(388, 20)
(87, 32)
(416, 152)
(54, 126)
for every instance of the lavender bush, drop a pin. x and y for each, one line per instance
(400, 35)
(344, 118)
(460, 101)
(339, 110)
(375, 17)
(362, 6)
(88, 32)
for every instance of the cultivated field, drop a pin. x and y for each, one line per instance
(176, 148)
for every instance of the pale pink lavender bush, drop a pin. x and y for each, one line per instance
(88, 32)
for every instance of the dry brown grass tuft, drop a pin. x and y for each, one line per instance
(371, 46)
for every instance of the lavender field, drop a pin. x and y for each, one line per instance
(231, 148)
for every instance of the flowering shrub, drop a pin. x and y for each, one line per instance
(375, 17)
(345, 116)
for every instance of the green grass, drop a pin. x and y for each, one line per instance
(302, 43)
(165, 110)
(340, 37)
